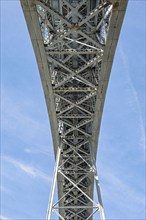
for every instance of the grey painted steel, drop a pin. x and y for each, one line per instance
(74, 43)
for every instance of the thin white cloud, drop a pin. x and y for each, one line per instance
(18, 119)
(37, 150)
(120, 185)
(127, 196)
(29, 170)
(4, 218)
(133, 101)
(4, 189)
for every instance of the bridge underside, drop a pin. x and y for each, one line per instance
(74, 43)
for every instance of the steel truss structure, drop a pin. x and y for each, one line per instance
(73, 43)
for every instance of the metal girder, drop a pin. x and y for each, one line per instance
(71, 40)
(78, 56)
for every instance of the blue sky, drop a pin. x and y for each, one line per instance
(27, 157)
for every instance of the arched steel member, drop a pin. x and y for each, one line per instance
(74, 43)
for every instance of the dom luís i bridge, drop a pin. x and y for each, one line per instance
(74, 43)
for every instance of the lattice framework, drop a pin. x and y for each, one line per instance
(74, 34)
(74, 43)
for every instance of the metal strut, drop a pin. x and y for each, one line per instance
(50, 206)
(96, 205)
(74, 43)
(74, 33)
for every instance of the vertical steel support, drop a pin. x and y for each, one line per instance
(53, 183)
(70, 39)
(101, 209)
(58, 169)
